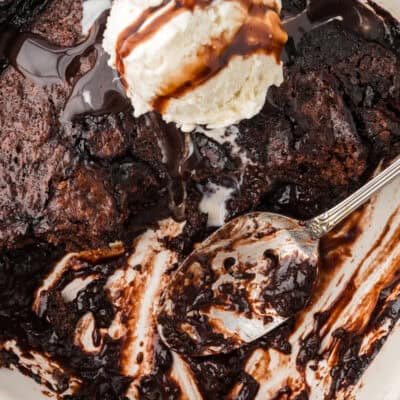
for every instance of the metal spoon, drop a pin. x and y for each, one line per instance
(249, 276)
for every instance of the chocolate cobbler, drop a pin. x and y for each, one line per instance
(76, 177)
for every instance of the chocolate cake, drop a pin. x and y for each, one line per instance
(82, 179)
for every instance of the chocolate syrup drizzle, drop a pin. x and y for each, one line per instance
(253, 37)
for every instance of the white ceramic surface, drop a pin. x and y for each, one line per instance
(380, 381)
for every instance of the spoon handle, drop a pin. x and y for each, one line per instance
(323, 223)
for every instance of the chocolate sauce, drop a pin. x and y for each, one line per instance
(172, 143)
(100, 90)
(174, 152)
(38, 60)
(132, 36)
(252, 37)
(97, 92)
(125, 43)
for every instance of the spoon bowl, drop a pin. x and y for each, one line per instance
(246, 279)
(249, 276)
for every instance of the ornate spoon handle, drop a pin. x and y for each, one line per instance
(323, 223)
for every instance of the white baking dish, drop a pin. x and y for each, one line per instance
(381, 380)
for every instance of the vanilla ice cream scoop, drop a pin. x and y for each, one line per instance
(197, 62)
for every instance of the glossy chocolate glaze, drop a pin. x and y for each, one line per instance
(101, 83)
(97, 92)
